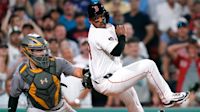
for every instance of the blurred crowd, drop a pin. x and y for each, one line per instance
(166, 31)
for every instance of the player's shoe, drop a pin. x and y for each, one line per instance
(177, 98)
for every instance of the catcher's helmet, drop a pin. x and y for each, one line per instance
(95, 10)
(33, 42)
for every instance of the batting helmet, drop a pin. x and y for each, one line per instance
(33, 42)
(97, 9)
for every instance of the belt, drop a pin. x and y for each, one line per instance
(105, 77)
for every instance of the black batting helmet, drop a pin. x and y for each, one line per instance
(96, 10)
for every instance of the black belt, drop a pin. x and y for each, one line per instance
(105, 77)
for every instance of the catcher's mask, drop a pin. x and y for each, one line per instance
(96, 10)
(32, 43)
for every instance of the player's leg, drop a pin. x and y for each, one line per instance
(130, 99)
(32, 109)
(63, 106)
(126, 77)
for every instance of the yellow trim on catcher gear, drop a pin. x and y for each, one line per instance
(38, 43)
(37, 70)
(57, 83)
(52, 58)
(32, 92)
(22, 69)
(28, 56)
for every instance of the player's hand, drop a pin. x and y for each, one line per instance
(120, 30)
(86, 81)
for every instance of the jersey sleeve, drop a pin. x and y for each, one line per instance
(64, 66)
(106, 40)
(16, 84)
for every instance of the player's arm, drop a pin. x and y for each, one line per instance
(15, 92)
(79, 72)
(12, 104)
(118, 49)
(172, 50)
(68, 69)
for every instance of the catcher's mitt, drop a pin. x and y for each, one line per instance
(86, 81)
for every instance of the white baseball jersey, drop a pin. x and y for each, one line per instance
(102, 41)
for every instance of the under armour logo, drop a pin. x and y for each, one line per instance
(43, 81)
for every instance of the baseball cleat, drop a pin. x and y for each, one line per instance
(177, 98)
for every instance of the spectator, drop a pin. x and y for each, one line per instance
(66, 51)
(39, 12)
(165, 39)
(195, 13)
(141, 23)
(31, 27)
(22, 103)
(152, 9)
(3, 65)
(117, 5)
(81, 5)
(22, 3)
(61, 35)
(54, 47)
(27, 28)
(129, 34)
(196, 30)
(3, 7)
(68, 18)
(166, 13)
(3, 37)
(48, 26)
(51, 4)
(11, 20)
(118, 18)
(188, 65)
(82, 60)
(20, 11)
(13, 46)
(55, 14)
(182, 37)
(80, 32)
(184, 7)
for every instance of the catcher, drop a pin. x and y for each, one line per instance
(39, 78)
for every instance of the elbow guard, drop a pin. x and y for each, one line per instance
(119, 47)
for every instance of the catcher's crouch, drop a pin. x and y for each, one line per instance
(39, 78)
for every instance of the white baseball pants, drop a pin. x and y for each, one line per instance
(122, 81)
(64, 108)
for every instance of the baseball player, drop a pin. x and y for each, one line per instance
(107, 74)
(39, 78)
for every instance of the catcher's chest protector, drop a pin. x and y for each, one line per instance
(44, 91)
